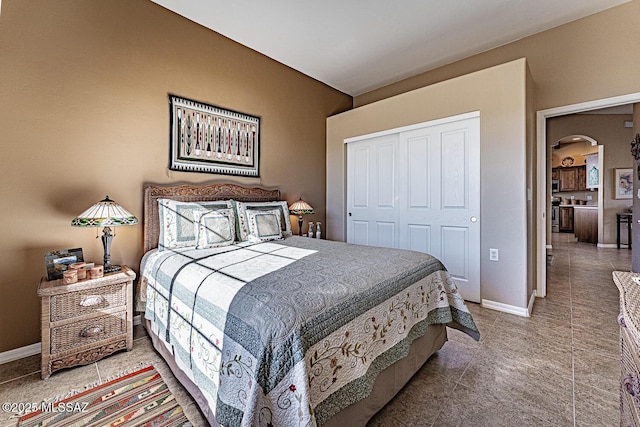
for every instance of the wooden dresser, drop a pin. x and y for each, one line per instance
(629, 320)
(85, 321)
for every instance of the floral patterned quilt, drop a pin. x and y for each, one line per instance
(290, 332)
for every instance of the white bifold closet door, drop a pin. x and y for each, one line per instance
(419, 189)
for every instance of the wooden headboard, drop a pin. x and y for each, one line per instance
(193, 193)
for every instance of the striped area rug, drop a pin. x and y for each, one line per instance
(140, 398)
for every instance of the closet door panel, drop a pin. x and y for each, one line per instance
(455, 251)
(360, 233)
(419, 237)
(419, 181)
(372, 192)
(360, 189)
(386, 234)
(385, 171)
(454, 170)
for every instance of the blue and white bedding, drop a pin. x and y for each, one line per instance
(292, 331)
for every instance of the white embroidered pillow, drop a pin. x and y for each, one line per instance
(176, 221)
(214, 228)
(244, 207)
(264, 225)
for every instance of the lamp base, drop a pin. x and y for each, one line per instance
(106, 243)
(111, 268)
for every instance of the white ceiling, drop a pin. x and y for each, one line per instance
(357, 46)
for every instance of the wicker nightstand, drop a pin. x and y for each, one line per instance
(85, 321)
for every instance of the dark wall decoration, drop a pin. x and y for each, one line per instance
(210, 139)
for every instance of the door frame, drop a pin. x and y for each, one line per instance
(435, 122)
(541, 160)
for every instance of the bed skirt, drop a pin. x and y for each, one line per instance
(387, 384)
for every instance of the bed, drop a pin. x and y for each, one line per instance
(280, 330)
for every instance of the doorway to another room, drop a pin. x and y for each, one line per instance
(576, 163)
(582, 121)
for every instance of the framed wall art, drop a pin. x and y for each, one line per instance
(623, 183)
(210, 139)
(58, 261)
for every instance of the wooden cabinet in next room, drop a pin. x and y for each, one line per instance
(585, 220)
(572, 178)
(581, 177)
(566, 219)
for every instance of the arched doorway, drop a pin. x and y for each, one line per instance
(580, 158)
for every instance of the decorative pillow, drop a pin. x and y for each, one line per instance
(176, 221)
(264, 225)
(244, 207)
(214, 228)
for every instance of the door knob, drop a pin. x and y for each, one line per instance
(349, 213)
(474, 219)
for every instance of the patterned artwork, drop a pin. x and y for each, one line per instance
(205, 138)
(623, 183)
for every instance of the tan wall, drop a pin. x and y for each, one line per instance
(499, 93)
(85, 113)
(591, 58)
(609, 131)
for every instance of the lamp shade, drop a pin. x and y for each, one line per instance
(300, 207)
(105, 213)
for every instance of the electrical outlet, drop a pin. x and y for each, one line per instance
(589, 198)
(494, 255)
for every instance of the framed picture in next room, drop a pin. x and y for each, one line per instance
(623, 180)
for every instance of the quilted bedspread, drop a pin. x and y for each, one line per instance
(290, 332)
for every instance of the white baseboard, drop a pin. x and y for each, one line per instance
(19, 353)
(612, 245)
(511, 309)
(33, 349)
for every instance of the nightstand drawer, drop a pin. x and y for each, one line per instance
(78, 334)
(75, 304)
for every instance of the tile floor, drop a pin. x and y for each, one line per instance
(560, 367)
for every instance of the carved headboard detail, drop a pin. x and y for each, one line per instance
(193, 193)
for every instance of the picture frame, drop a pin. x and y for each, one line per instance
(210, 139)
(56, 262)
(623, 183)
